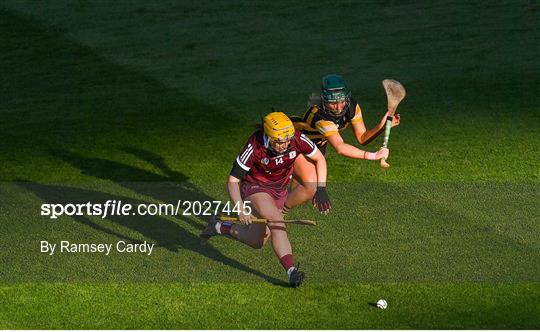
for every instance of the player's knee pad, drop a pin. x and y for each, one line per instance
(258, 244)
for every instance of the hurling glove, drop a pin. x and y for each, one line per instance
(321, 200)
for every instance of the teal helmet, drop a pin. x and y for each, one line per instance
(334, 91)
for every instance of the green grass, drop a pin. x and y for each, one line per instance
(150, 102)
(247, 306)
(97, 78)
(428, 233)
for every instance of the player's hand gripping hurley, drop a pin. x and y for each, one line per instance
(395, 92)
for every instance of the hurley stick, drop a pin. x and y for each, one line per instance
(395, 92)
(266, 221)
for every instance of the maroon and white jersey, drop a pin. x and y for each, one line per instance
(267, 168)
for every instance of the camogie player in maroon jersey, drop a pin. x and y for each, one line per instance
(261, 175)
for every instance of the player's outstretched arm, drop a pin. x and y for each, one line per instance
(320, 166)
(352, 151)
(321, 199)
(365, 137)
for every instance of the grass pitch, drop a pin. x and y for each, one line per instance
(151, 102)
(257, 306)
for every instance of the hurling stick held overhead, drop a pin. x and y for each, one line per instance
(265, 221)
(395, 92)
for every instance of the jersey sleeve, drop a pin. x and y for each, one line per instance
(327, 128)
(306, 146)
(357, 118)
(245, 159)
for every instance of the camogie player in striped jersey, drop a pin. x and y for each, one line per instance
(328, 115)
(261, 174)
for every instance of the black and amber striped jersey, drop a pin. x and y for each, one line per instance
(319, 125)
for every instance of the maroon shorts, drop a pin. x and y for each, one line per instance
(278, 194)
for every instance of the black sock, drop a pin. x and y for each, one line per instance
(285, 210)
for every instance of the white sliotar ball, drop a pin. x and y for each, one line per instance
(382, 304)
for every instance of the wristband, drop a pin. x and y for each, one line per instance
(371, 156)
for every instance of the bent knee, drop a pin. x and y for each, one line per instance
(259, 243)
(256, 245)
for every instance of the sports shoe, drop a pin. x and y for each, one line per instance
(296, 277)
(209, 231)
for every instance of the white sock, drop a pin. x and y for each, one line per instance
(218, 227)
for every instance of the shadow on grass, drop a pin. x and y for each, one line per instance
(58, 94)
(63, 96)
(159, 230)
(168, 188)
(164, 232)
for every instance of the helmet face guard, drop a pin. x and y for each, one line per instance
(335, 95)
(279, 147)
(336, 103)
